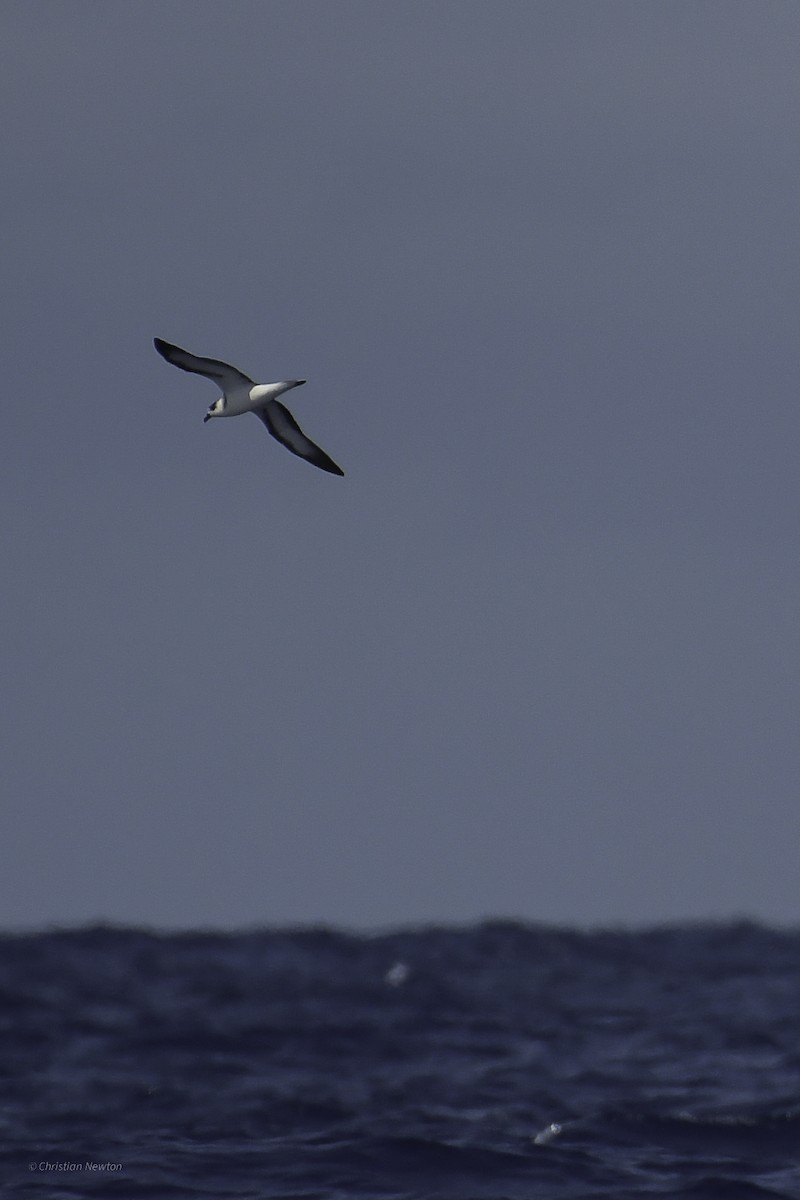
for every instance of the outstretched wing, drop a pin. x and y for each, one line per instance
(282, 425)
(222, 373)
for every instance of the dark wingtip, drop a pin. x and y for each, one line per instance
(161, 346)
(326, 463)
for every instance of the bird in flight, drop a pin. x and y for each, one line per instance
(240, 394)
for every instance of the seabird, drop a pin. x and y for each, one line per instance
(240, 394)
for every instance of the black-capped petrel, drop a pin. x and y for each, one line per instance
(240, 394)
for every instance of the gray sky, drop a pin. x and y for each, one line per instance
(538, 653)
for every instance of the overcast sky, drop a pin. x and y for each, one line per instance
(537, 654)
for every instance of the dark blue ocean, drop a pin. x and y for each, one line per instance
(501, 1060)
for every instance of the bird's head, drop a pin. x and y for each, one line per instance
(216, 410)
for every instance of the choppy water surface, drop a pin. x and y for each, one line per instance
(497, 1061)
